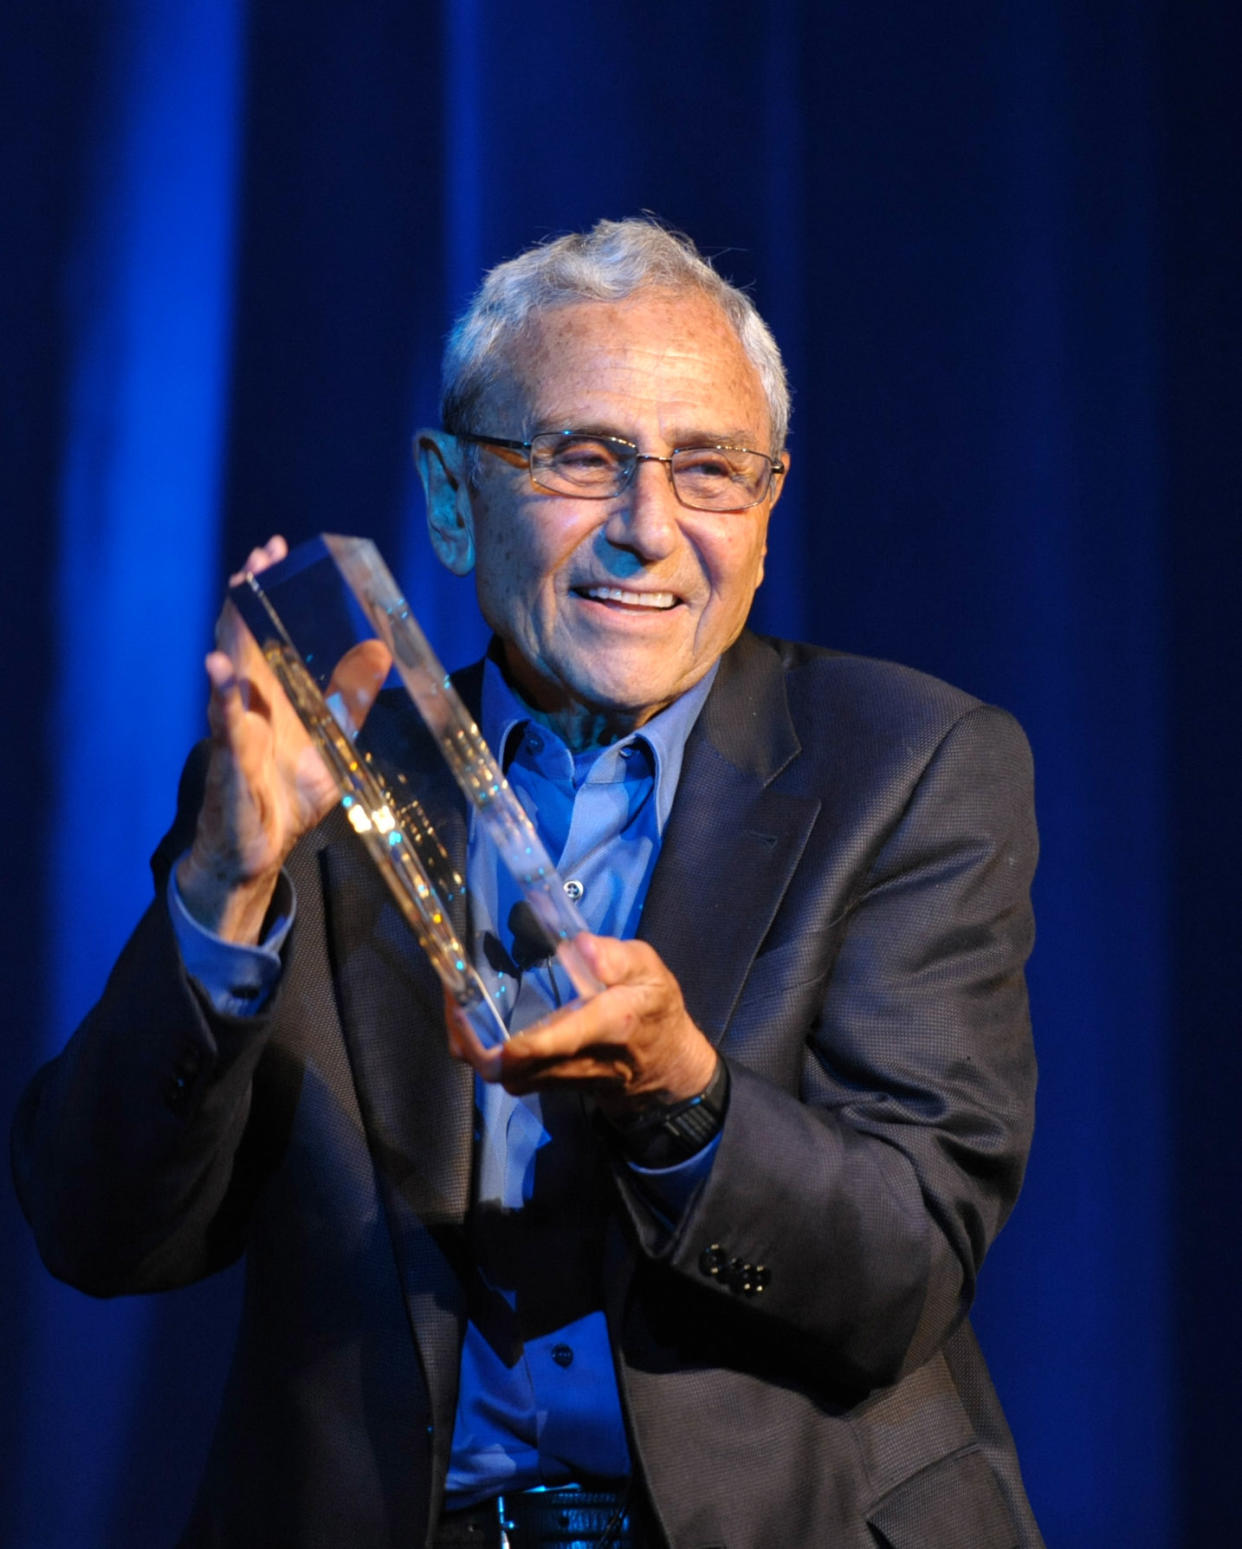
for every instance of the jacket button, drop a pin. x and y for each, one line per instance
(756, 1277)
(712, 1260)
(563, 1355)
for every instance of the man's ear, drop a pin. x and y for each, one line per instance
(780, 483)
(450, 520)
(780, 490)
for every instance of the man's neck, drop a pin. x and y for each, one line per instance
(579, 726)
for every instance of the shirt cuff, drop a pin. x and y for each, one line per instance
(236, 979)
(669, 1190)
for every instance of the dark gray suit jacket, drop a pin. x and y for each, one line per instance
(842, 894)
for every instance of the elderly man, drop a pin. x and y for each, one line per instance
(695, 1270)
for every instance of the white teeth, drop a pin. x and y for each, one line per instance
(631, 599)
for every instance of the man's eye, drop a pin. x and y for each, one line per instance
(708, 464)
(585, 457)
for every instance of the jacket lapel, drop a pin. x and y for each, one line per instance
(733, 840)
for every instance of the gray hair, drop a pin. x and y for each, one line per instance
(609, 263)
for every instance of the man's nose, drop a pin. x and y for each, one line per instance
(644, 516)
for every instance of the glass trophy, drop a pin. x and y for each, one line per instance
(332, 625)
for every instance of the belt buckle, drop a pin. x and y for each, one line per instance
(522, 1522)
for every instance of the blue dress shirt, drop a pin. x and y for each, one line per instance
(542, 1406)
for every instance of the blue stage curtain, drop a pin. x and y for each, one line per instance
(144, 294)
(998, 247)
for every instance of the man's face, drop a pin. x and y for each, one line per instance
(610, 609)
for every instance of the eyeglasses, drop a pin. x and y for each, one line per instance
(705, 478)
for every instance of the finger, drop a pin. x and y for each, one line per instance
(257, 683)
(250, 687)
(358, 678)
(226, 708)
(597, 1071)
(595, 1028)
(614, 962)
(232, 635)
(220, 671)
(262, 558)
(457, 1027)
(463, 1042)
(578, 966)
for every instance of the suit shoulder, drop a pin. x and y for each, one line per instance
(870, 704)
(873, 688)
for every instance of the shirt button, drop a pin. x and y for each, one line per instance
(534, 742)
(563, 1355)
(574, 890)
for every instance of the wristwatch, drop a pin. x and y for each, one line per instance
(662, 1137)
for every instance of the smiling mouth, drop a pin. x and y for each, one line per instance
(651, 602)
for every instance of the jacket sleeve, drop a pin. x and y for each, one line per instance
(851, 1201)
(129, 1148)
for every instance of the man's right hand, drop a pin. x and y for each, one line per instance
(266, 783)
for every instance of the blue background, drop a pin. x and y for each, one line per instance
(999, 247)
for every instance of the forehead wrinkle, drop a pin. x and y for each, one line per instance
(681, 418)
(664, 377)
(699, 435)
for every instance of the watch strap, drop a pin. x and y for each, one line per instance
(663, 1137)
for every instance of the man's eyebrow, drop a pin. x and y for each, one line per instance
(678, 437)
(581, 427)
(737, 436)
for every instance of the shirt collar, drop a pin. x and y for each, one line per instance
(503, 713)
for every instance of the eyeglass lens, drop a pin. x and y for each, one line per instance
(708, 478)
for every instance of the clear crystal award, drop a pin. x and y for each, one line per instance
(331, 623)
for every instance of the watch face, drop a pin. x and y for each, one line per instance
(695, 1126)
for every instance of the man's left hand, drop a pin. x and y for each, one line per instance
(632, 1045)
